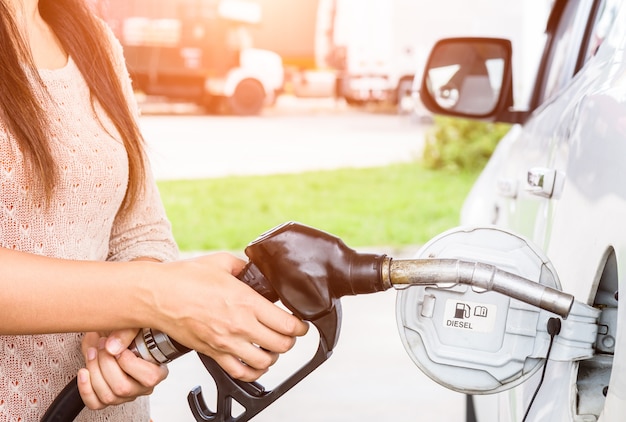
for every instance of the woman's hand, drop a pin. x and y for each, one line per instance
(209, 310)
(113, 374)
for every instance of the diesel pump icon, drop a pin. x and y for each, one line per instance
(463, 310)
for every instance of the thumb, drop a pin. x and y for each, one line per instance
(119, 340)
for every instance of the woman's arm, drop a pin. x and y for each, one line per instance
(48, 295)
(199, 302)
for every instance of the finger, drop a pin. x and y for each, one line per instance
(237, 266)
(256, 357)
(99, 384)
(119, 385)
(281, 321)
(89, 340)
(85, 385)
(269, 340)
(145, 373)
(119, 340)
(278, 329)
(87, 393)
(231, 263)
(238, 369)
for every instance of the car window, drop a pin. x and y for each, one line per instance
(561, 64)
(604, 19)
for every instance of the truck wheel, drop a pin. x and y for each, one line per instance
(248, 98)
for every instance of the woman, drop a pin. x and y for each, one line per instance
(85, 243)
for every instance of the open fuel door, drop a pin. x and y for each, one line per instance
(483, 342)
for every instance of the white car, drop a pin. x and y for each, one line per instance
(559, 179)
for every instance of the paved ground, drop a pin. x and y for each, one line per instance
(369, 377)
(294, 136)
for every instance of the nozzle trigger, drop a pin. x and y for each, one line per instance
(252, 396)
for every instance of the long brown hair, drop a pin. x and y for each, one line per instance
(82, 35)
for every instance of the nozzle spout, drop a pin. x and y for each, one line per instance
(482, 276)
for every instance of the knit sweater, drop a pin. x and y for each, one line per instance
(81, 223)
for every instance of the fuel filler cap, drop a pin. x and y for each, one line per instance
(473, 341)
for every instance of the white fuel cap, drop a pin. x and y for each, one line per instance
(477, 342)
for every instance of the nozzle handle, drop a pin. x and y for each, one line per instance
(157, 347)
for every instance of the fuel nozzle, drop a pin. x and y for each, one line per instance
(309, 270)
(322, 268)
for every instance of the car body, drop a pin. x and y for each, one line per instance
(558, 178)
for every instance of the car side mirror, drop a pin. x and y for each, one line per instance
(468, 77)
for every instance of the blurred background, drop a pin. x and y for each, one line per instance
(240, 55)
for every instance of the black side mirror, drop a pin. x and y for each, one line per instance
(468, 77)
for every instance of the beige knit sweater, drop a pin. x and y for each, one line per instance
(81, 224)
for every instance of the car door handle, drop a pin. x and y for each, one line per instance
(540, 181)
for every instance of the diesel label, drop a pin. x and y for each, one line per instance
(465, 315)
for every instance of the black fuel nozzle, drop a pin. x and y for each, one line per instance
(305, 268)
(308, 270)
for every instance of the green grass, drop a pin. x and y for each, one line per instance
(395, 206)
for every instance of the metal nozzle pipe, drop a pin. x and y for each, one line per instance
(427, 272)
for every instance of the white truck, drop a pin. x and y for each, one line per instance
(196, 50)
(373, 46)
